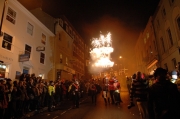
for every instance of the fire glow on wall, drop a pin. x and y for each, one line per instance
(101, 50)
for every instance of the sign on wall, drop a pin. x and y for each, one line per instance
(23, 57)
(40, 48)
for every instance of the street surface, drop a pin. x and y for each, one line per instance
(87, 110)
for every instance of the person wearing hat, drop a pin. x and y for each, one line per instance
(163, 97)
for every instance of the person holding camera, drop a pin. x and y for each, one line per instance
(139, 91)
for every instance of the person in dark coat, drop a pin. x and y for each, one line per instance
(163, 97)
(139, 91)
(93, 89)
(75, 93)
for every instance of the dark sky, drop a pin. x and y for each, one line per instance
(125, 19)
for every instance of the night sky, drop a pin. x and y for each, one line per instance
(125, 19)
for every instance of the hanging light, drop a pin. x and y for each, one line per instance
(4, 66)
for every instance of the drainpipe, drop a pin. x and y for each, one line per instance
(54, 52)
(1, 33)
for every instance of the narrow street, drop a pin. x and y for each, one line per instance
(87, 110)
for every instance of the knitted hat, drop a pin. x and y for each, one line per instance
(160, 72)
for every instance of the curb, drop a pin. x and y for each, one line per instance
(30, 114)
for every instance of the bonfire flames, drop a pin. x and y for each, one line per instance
(101, 50)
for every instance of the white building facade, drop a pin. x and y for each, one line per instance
(167, 31)
(24, 46)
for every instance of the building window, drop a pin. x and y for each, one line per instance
(59, 36)
(26, 70)
(7, 41)
(158, 23)
(70, 31)
(43, 39)
(11, 15)
(178, 22)
(166, 66)
(174, 63)
(155, 45)
(163, 12)
(144, 40)
(61, 22)
(170, 37)
(68, 44)
(66, 27)
(147, 35)
(66, 61)
(171, 2)
(42, 58)
(30, 28)
(28, 50)
(61, 60)
(163, 46)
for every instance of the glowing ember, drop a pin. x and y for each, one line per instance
(101, 50)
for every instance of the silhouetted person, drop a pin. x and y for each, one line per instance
(164, 98)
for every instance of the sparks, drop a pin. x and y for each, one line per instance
(101, 50)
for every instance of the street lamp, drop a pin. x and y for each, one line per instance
(123, 69)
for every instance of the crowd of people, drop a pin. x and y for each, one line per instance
(156, 96)
(31, 93)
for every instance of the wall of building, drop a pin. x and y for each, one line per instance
(166, 18)
(18, 31)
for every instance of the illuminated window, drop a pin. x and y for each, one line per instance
(42, 58)
(30, 28)
(7, 41)
(11, 15)
(28, 50)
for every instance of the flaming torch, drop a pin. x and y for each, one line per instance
(101, 50)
